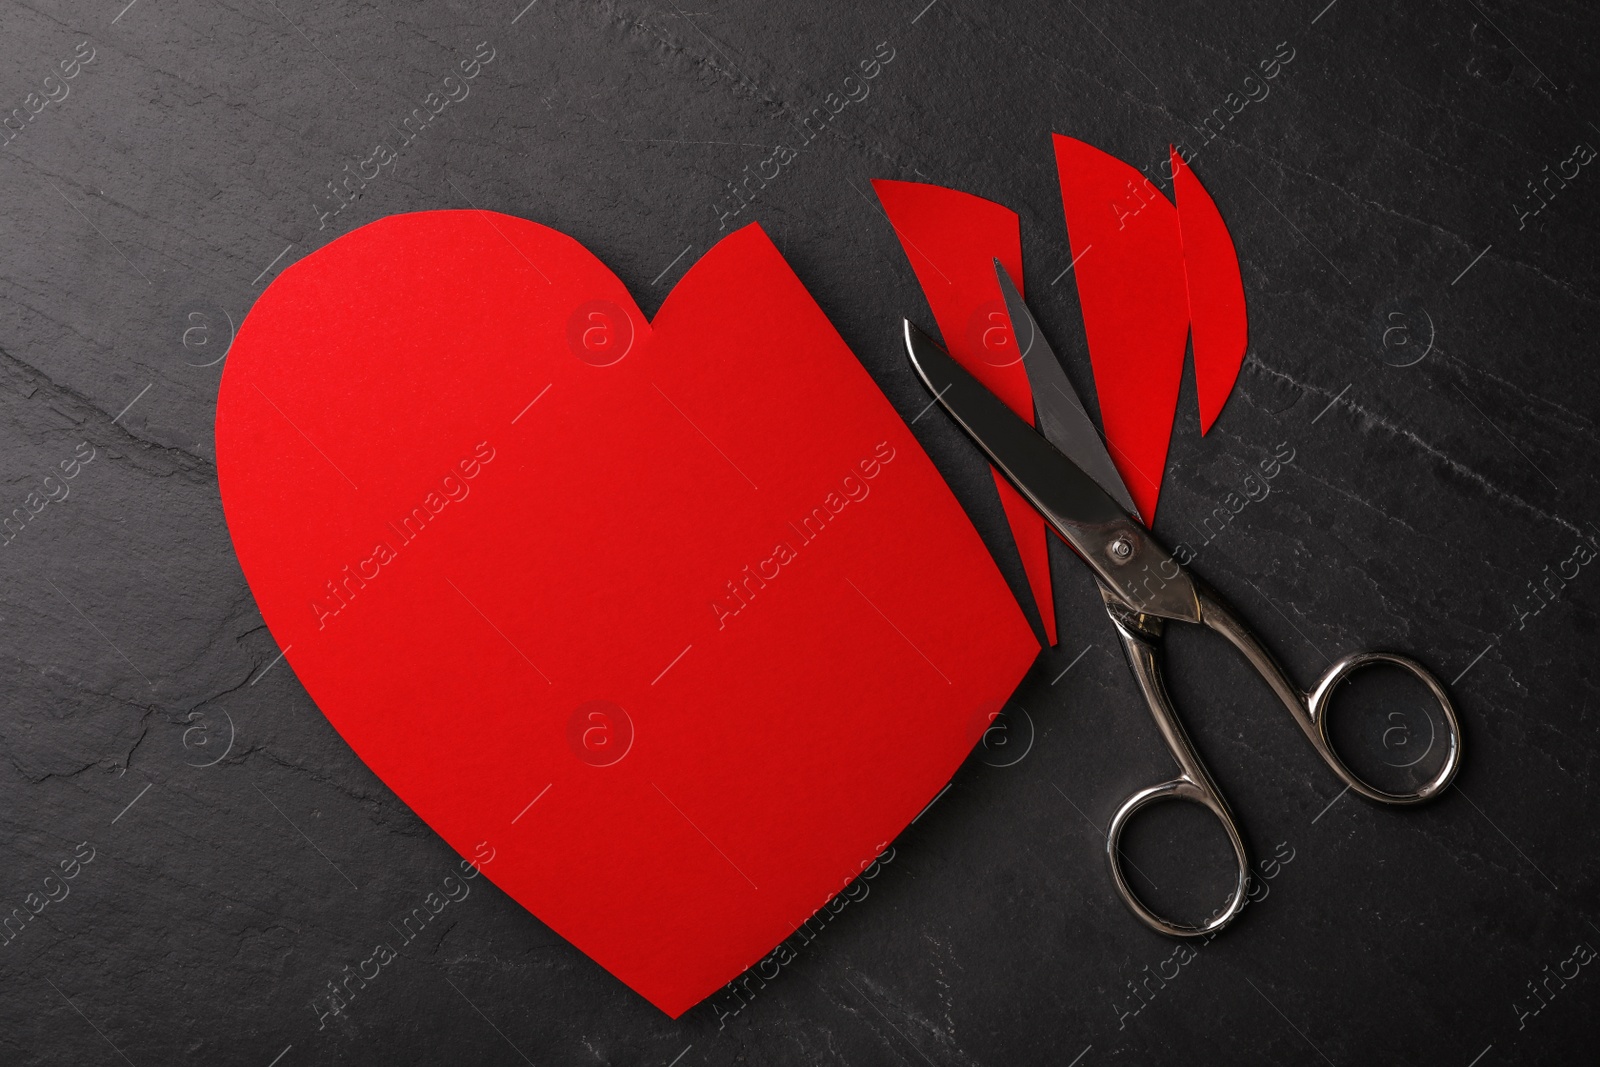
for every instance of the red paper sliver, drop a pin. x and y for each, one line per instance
(952, 240)
(1130, 272)
(675, 616)
(1217, 319)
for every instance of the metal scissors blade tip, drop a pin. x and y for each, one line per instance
(1062, 417)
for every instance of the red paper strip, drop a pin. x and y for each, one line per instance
(952, 240)
(671, 626)
(1217, 319)
(1130, 270)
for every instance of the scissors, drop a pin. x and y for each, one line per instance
(1065, 472)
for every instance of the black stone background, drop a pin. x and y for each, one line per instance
(1382, 176)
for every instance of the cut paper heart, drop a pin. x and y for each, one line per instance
(1129, 253)
(1218, 328)
(675, 615)
(1157, 273)
(952, 240)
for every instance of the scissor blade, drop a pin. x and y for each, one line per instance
(1117, 547)
(1061, 490)
(1063, 419)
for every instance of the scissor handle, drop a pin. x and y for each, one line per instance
(1193, 784)
(1310, 709)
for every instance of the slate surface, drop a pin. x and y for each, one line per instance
(1420, 340)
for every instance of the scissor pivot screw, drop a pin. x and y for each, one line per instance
(1121, 548)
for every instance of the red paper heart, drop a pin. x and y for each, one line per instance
(677, 616)
(1129, 251)
(1162, 273)
(1217, 320)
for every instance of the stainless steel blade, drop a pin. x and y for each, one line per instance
(1063, 419)
(1119, 550)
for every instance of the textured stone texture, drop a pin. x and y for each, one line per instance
(146, 209)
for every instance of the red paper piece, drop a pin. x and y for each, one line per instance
(675, 619)
(1217, 320)
(1130, 271)
(952, 240)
